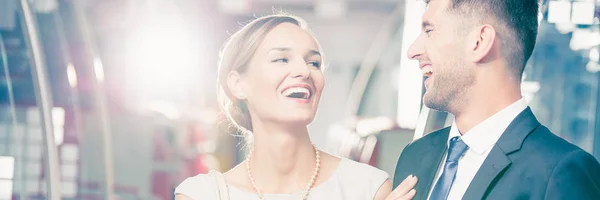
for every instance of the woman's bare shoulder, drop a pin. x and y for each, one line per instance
(201, 185)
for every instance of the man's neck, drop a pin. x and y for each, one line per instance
(483, 103)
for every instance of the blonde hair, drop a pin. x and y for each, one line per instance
(236, 54)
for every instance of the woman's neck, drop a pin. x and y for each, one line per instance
(283, 159)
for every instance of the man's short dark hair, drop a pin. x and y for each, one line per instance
(518, 17)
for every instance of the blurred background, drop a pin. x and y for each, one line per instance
(115, 99)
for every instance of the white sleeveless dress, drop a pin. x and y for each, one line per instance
(350, 181)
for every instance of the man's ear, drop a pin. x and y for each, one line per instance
(235, 83)
(480, 42)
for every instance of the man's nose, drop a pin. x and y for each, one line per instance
(416, 49)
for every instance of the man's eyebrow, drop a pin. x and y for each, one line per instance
(426, 24)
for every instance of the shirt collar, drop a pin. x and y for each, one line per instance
(484, 135)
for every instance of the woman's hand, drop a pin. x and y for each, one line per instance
(405, 190)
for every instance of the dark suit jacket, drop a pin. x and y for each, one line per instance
(527, 162)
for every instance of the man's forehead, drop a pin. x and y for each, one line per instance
(434, 7)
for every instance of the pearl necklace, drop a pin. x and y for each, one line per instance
(308, 187)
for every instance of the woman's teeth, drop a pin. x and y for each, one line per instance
(297, 92)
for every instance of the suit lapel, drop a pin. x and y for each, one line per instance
(498, 160)
(430, 160)
(495, 163)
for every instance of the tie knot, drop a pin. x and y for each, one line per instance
(456, 149)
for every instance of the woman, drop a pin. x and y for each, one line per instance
(270, 82)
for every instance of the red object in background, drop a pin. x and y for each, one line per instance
(197, 165)
(163, 153)
(161, 185)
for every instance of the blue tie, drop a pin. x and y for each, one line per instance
(442, 188)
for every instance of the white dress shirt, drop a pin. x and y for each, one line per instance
(480, 139)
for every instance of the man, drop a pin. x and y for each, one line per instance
(473, 53)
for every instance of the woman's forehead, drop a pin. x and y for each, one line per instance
(290, 37)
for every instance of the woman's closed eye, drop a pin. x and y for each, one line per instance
(280, 60)
(315, 64)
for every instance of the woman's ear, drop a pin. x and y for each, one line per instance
(235, 84)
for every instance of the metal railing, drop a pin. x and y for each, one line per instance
(44, 100)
